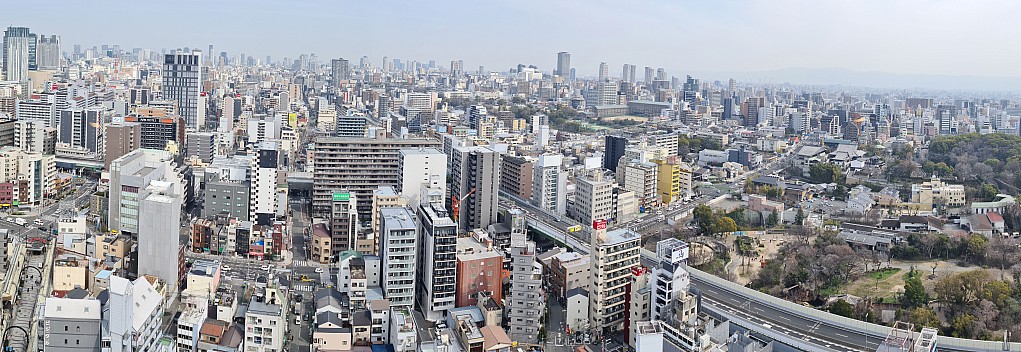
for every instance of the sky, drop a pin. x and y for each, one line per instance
(930, 37)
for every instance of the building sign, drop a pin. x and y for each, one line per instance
(341, 197)
(639, 270)
(599, 224)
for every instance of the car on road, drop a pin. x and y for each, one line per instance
(319, 270)
(265, 268)
(225, 268)
(305, 279)
(38, 222)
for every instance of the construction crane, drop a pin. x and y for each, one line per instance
(455, 203)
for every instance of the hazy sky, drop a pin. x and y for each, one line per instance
(946, 37)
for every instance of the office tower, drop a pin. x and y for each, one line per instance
(158, 129)
(648, 75)
(33, 136)
(18, 53)
(604, 93)
(48, 52)
(477, 115)
(574, 74)
(660, 74)
(516, 176)
(228, 186)
(593, 199)
(750, 110)
(604, 71)
(614, 254)
(624, 73)
(182, 82)
(474, 187)
(690, 91)
(728, 108)
(456, 67)
(352, 124)
(398, 249)
(358, 165)
(340, 70)
(631, 74)
(563, 64)
(421, 101)
(200, 145)
(730, 87)
(526, 299)
(549, 184)
(421, 167)
(437, 257)
(145, 199)
(613, 151)
(946, 119)
(264, 183)
(82, 129)
(43, 108)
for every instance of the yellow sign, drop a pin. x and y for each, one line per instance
(574, 228)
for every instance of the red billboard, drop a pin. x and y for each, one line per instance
(599, 224)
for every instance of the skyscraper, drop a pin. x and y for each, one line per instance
(340, 71)
(474, 182)
(649, 72)
(48, 52)
(563, 64)
(18, 53)
(182, 82)
(604, 71)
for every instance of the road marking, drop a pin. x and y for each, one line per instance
(842, 335)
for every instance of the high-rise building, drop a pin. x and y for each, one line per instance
(228, 186)
(182, 82)
(201, 145)
(474, 183)
(563, 64)
(158, 128)
(437, 258)
(516, 175)
(340, 70)
(18, 53)
(398, 249)
(613, 151)
(82, 129)
(604, 71)
(477, 115)
(593, 199)
(263, 198)
(649, 75)
(351, 124)
(479, 270)
(549, 184)
(146, 195)
(358, 165)
(343, 222)
(604, 93)
(614, 254)
(525, 301)
(48, 52)
(33, 136)
(421, 167)
(121, 138)
(42, 108)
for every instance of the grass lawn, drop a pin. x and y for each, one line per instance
(883, 274)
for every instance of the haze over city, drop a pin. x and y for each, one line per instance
(769, 41)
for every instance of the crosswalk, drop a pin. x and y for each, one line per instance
(303, 288)
(302, 263)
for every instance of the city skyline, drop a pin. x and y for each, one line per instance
(729, 37)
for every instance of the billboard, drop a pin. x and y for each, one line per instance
(341, 196)
(599, 224)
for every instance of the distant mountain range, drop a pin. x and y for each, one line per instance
(873, 79)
